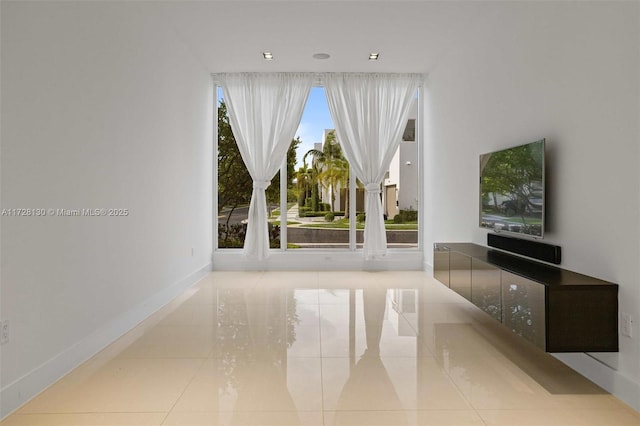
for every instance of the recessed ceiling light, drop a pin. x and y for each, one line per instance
(267, 55)
(321, 56)
(373, 56)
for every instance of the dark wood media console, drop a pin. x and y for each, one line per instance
(555, 309)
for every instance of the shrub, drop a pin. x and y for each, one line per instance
(311, 213)
(302, 210)
(397, 219)
(361, 217)
(301, 199)
(274, 235)
(329, 217)
(409, 215)
(325, 207)
(233, 236)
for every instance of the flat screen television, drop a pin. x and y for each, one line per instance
(512, 187)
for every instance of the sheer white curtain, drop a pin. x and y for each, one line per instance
(264, 112)
(370, 113)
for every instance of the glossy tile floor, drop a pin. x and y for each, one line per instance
(322, 348)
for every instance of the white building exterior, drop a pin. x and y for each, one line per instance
(400, 186)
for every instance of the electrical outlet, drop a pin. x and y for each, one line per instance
(4, 332)
(626, 325)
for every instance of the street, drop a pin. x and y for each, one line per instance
(238, 215)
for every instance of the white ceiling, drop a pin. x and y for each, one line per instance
(411, 36)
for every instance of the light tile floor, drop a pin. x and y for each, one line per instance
(322, 348)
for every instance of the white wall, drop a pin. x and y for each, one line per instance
(102, 107)
(568, 72)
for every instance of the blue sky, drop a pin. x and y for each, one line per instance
(315, 119)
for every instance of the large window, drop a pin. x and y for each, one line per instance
(319, 204)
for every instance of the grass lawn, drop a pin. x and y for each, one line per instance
(289, 222)
(344, 224)
(518, 219)
(515, 218)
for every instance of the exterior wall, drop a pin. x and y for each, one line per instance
(408, 193)
(403, 174)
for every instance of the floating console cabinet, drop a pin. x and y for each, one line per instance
(555, 309)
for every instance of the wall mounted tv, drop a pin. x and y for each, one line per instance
(512, 190)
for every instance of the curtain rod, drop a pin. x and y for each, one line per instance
(318, 79)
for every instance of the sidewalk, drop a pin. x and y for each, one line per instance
(292, 216)
(292, 213)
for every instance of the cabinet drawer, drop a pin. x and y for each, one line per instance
(441, 264)
(460, 274)
(523, 309)
(485, 288)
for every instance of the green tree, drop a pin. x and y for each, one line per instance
(515, 174)
(313, 172)
(234, 182)
(273, 191)
(332, 167)
(304, 180)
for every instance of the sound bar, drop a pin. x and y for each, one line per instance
(534, 249)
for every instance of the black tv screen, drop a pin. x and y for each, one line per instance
(512, 190)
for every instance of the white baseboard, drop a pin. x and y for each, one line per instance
(19, 392)
(334, 260)
(604, 376)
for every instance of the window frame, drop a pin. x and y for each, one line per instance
(227, 255)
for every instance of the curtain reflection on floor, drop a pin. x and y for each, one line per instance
(255, 331)
(369, 372)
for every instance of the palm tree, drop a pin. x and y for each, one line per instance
(331, 166)
(335, 176)
(304, 180)
(313, 173)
